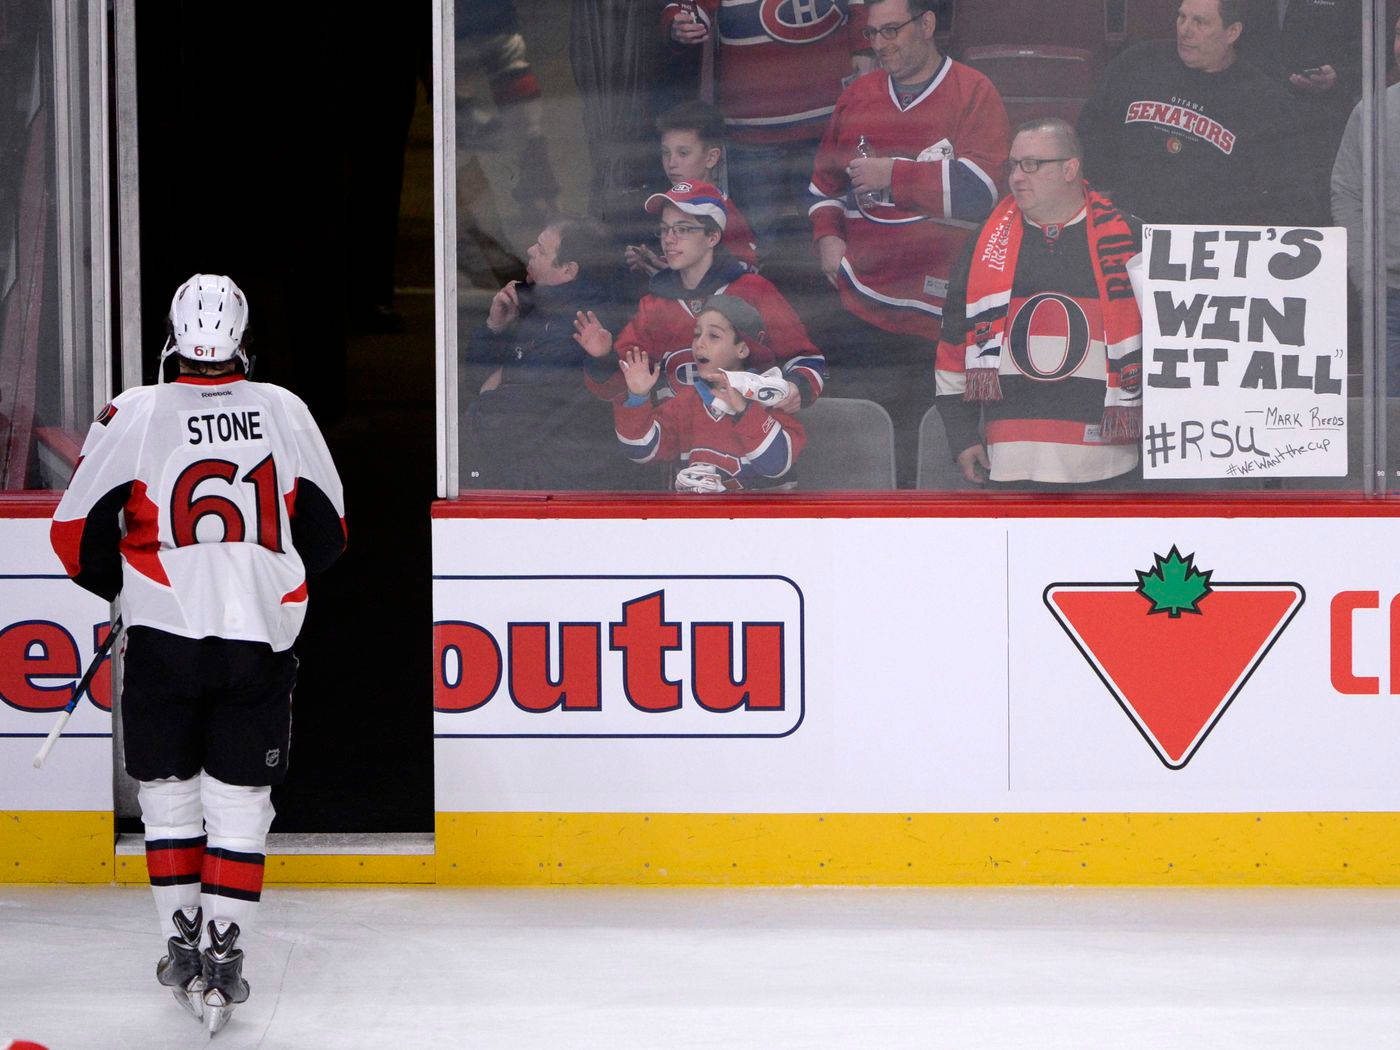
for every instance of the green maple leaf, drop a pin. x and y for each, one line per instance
(1174, 585)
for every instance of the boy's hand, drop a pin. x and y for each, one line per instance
(642, 259)
(591, 335)
(505, 308)
(640, 373)
(721, 388)
(685, 30)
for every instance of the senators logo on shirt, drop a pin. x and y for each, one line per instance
(1180, 118)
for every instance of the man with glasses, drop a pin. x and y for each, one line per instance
(1042, 339)
(909, 160)
(1182, 132)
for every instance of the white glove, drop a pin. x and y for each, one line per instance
(767, 389)
(700, 477)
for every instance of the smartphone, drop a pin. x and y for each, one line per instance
(1312, 72)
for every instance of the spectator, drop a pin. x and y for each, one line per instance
(1049, 353)
(1349, 175)
(936, 132)
(1314, 45)
(1184, 133)
(724, 440)
(779, 71)
(534, 425)
(1314, 48)
(692, 223)
(692, 150)
(488, 37)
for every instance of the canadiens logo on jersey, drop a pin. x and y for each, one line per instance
(786, 21)
(1181, 118)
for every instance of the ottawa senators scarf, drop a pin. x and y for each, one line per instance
(989, 282)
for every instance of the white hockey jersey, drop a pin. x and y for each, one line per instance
(204, 502)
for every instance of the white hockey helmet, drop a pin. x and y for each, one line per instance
(208, 316)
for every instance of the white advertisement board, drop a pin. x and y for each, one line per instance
(916, 665)
(1244, 352)
(49, 630)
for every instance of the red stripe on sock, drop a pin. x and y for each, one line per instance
(245, 875)
(174, 863)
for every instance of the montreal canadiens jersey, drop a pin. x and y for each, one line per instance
(950, 144)
(204, 502)
(781, 63)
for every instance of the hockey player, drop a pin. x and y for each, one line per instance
(1042, 337)
(910, 157)
(723, 440)
(692, 150)
(201, 505)
(692, 222)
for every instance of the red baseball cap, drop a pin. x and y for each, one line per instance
(693, 198)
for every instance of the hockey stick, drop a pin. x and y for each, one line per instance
(88, 675)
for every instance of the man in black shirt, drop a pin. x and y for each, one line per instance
(1182, 132)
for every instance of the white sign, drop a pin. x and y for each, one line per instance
(948, 665)
(1244, 352)
(49, 630)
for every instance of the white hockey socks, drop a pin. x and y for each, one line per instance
(171, 812)
(237, 819)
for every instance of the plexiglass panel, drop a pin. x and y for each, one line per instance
(52, 328)
(966, 246)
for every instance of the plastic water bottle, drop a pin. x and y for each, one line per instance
(868, 199)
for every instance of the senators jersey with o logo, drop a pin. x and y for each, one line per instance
(204, 503)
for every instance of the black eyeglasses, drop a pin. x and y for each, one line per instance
(888, 32)
(680, 229)
(1030, 165)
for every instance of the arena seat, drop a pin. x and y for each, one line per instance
(1036, 80)
(936, 467)
(1067, 23)
(850, 445)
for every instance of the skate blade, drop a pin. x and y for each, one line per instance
(191, 1000)
(217, 1012)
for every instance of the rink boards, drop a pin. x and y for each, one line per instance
(772, 692)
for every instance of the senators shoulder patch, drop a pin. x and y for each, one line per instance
(107, 414)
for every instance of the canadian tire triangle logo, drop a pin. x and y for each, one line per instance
(1176, 647)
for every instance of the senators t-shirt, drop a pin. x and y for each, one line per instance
(1171, 144)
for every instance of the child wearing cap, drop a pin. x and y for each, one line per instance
(693, 219)
(723, 440)
(692, 150)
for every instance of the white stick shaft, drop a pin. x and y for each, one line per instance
(52, 738)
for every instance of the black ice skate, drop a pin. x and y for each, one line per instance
(224, 986)
(182, 970)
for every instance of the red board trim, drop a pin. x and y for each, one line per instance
(35, 504)
(910, 505)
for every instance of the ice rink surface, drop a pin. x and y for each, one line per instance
(839, 968)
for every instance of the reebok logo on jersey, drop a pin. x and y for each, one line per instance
(1167, 115)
